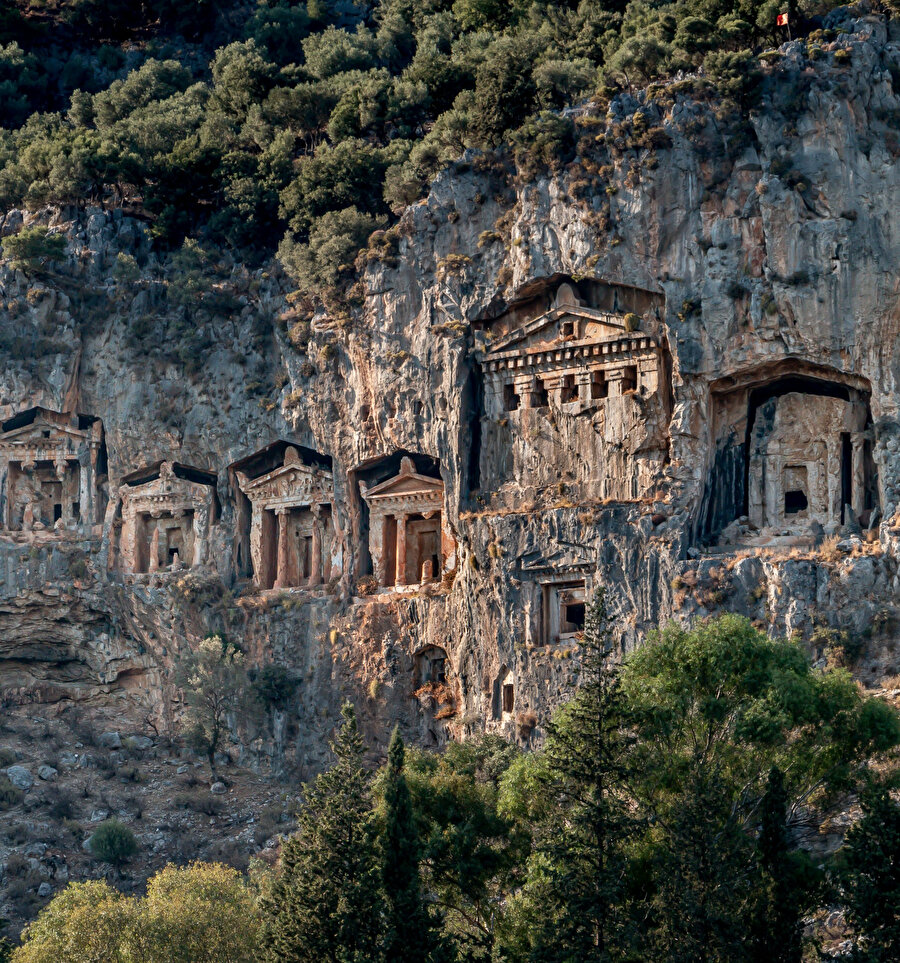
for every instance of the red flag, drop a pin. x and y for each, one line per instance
(782, 20)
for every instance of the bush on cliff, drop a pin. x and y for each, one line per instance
(113, 842)
(33, 247)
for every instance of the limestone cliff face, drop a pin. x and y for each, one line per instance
(765, 262)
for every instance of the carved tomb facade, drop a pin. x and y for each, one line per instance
(167, 510)
(575, 394)
(52, 467)
(410, 542)
(292, 534)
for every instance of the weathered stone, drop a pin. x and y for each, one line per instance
(218, 788)
(20, 777)
(110, 740)
(47, 773)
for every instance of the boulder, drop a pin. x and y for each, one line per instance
(110, 740)
(20, 777)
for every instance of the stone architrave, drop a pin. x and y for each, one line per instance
(292, 536)
(576, 392)
(165, 507)
(561, 354)
(410, 541)
(49, 472)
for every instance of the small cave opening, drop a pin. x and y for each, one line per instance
(795, 502)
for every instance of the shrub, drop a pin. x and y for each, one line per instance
(9, 795)
(113, 843)
(33, 247)
(274, 686)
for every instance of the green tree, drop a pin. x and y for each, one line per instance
(790, 881)
(85, 923)
(214, 681)
(33, 247)
(410, 935)
(113, 842)
(713, 710)
(471, 852)
(326, 904)
(203, 913)
(579, 866)
(870, 878)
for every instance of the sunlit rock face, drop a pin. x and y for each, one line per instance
(670, 376)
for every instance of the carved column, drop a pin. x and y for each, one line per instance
(315, 559)
(85, 502)
(281, 565)
(400, 578)
(377, 551)
(858, 489)
(154, 550)
(200, 523)
(4, 494)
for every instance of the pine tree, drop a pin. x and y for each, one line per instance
(870, 878)
(410, 931)
(326, 905)
(785, 892)
(581, 846)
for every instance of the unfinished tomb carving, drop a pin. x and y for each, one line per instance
(576, 391)
(410, 542)
(556, 586)
(793, 454)
(52, 472)
(292, 534)
(167, 510)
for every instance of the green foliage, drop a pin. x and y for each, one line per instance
(214, 681)
(307, 123)
(325, 903)
(869, 878)
(410, 935)
(575, 895)
(275, 686)
(333, 244)
(113, 842)
(190, 913)
(10, 795)
(471, 852)
(33, 247)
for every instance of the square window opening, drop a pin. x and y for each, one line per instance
(599, 386)
(795, 502)
(569, 391)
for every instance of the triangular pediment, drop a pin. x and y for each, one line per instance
(35, 433)
(407, 482)
(407, 485)
(569, 324)
(289, 480)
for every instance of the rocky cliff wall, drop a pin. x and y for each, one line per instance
(771, 245)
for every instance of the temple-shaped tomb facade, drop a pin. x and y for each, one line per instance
(167, 510)
(52, 469)
(577, 392)
(808, 462)
(409, 540)
(793, 455)
(292, 534)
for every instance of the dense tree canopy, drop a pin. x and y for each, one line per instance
(659, 822)
(310, 121)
